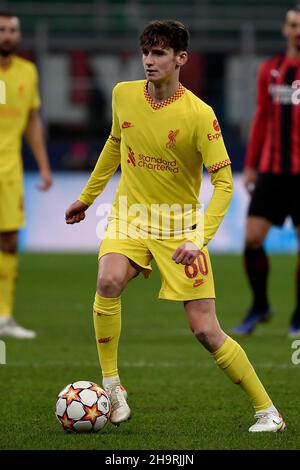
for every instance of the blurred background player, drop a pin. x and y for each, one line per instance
(19, 115)
(144, 111)
(272, 171)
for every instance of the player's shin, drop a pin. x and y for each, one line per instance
(232, 359)
(297, 309)
(257, 270)
(8, 275)
(107, 323)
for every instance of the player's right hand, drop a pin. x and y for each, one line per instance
(46, 180)
(76, 212)
(250, 176)
(186, 253)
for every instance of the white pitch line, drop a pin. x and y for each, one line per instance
(141, 364)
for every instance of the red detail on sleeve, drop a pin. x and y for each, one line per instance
(217, 166)
(259, 124)
(115, 139)
(216, 125)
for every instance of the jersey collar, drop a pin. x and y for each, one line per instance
(178, 94)
(8, 67)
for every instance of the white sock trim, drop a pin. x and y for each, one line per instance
(108, 381)
(4, 319)
(271, 409)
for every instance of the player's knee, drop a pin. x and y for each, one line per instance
(110, 285)
(203, 335)
(253, 241)
(9, 245)
(206, 336)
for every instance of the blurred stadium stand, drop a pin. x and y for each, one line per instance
(83, 48)
(216, 25)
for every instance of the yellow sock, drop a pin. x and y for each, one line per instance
(8, 276)
(107, 323)
(233, 360)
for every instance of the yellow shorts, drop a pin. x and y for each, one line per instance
(11, 205)
(179, 282)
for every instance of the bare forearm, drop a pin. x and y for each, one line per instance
(256, 140)
(36, 141)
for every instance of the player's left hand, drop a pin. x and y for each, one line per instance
(186, 253)
(46, 183)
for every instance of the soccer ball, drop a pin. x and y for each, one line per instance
(83, 407)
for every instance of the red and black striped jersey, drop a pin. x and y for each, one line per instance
(274, 143)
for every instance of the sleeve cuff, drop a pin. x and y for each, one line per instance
(84, 200)
(115, 139)
(217, 166)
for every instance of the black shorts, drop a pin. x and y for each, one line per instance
(275, 197)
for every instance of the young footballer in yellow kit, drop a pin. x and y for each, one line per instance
(162, 135)
(18, 116)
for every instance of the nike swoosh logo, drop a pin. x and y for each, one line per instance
(126, 125)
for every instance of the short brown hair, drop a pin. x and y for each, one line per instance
(295, 8)
(165, 33)
(7, 14)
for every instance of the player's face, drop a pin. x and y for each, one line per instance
(291, 29)
(9, 35)
(161, 64)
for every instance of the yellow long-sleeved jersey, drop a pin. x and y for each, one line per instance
(22, 95)
(162, 148)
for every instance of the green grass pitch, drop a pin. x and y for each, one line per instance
(180, 399)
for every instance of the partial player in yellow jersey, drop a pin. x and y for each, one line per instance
(162, 135)
(18, 115)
